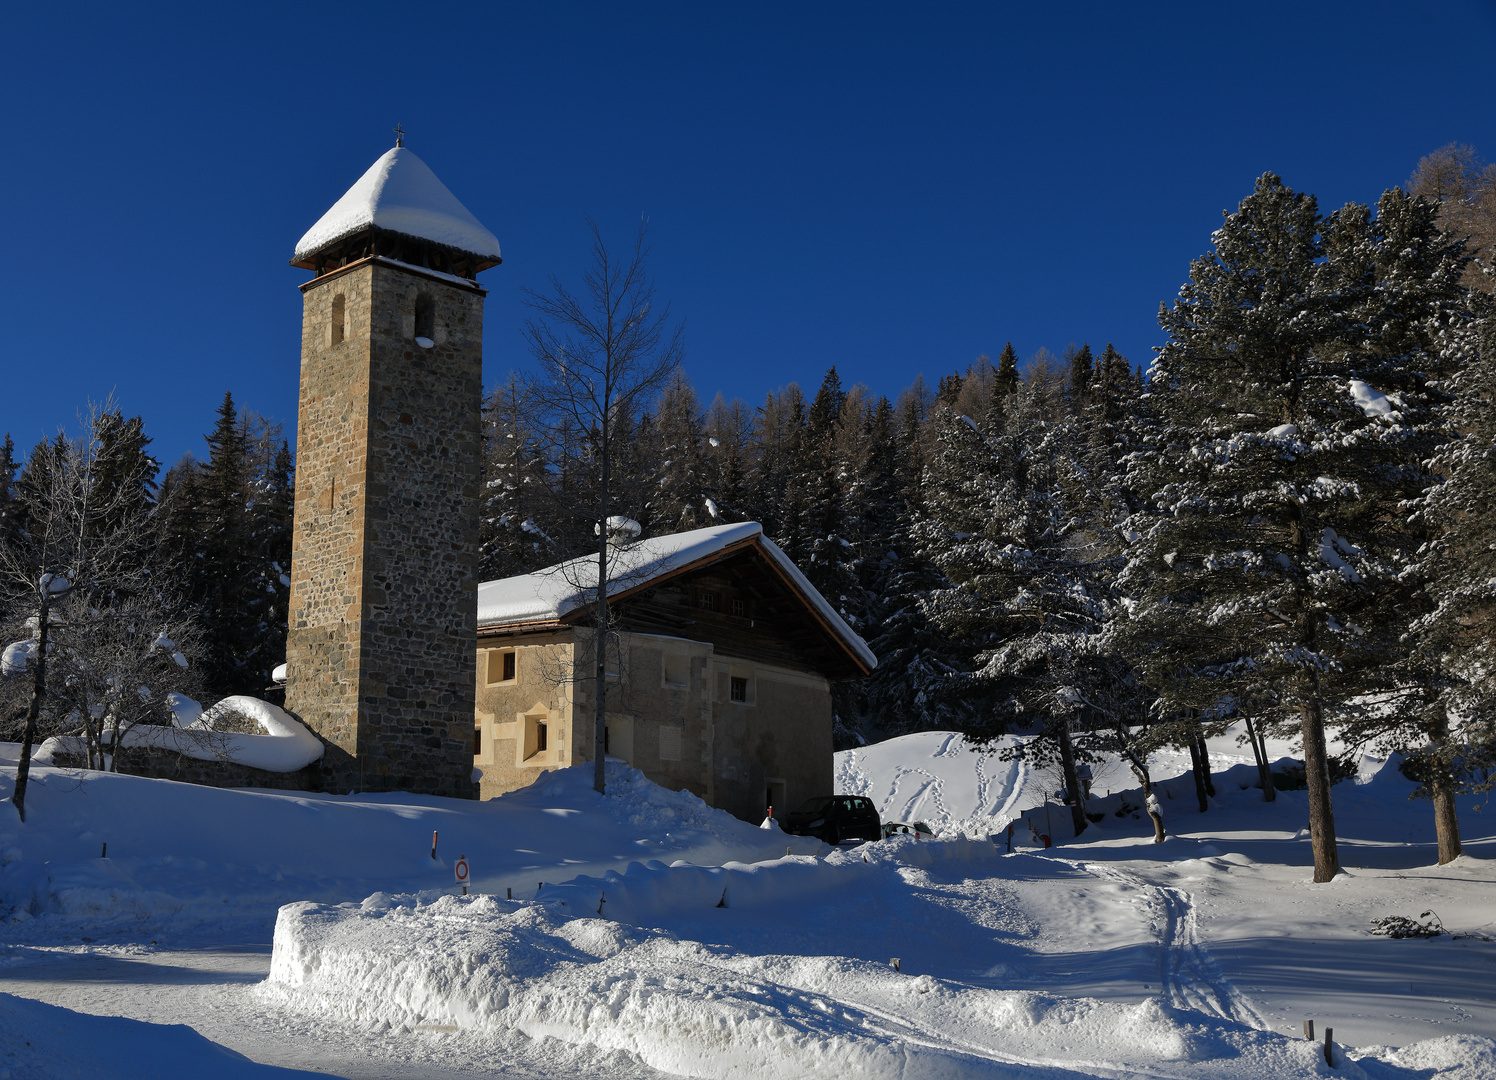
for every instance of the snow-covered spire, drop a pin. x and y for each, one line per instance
(400, 194)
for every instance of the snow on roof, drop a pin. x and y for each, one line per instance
(399, 192)
(557, 591)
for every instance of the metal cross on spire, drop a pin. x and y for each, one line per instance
(399, 135)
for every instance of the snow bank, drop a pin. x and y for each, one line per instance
(197, 858)
(652, 893)
(689, 1008)
(285, 747)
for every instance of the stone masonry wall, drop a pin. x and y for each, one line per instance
(327, 539)
(384, 563)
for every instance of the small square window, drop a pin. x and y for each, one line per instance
(739, 607)
(501, 666)
(739, 688)
(706, 601)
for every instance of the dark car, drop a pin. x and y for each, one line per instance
(835, 819)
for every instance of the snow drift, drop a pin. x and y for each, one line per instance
(284, 747)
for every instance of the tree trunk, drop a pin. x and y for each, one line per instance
(600, 638)
(1072, 778)
(1197, 772)
(38, 691)
(1317, 776)
(1264, 770)
(114, 742)
(1140, 769)
(1210, 788)
(1446, 823)
(1442, 785)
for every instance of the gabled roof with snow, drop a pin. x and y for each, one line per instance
(400, 193)
(564, 591)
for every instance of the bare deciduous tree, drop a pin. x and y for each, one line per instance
(602, 354)
(104, 643)
(1464, 186)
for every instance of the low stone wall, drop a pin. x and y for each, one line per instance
(166, 765)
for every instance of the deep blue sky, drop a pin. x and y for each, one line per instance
(887, 188)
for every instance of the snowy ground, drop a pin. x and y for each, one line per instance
(717, 955)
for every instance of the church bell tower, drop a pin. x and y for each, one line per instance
(382, 642)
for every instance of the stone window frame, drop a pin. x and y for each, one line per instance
(423, 323)
(508, 668)
(531, 727)
(337, 320)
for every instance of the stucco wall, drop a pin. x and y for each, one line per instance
(670, 715)
(506, 711)
(782, 733)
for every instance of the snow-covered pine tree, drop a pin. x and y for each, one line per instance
(9, 506)
(511, 539)
(271, 512)
(1453, 743)
(776, 484)
(123, 470)
(728, 458)
(1268, 571)
(1026, 591)
(922, 670)
(1081, 371)
(223, 570)
(677, 499)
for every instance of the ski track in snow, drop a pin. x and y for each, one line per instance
(1190, 975)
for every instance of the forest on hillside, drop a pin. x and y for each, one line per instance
(1285, 517)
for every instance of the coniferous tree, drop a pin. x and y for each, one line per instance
(1449, 733)
(123, 471)
(1078, 384)
(1025, 588)
(678, 498)
(728, 458)
(776, 485)
(512, 534)
(1268, 570)
(922, 670)
(10, 508)
(224, 568)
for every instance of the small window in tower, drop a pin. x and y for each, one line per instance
(540, 737)
(425, 321)
(339, 318)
